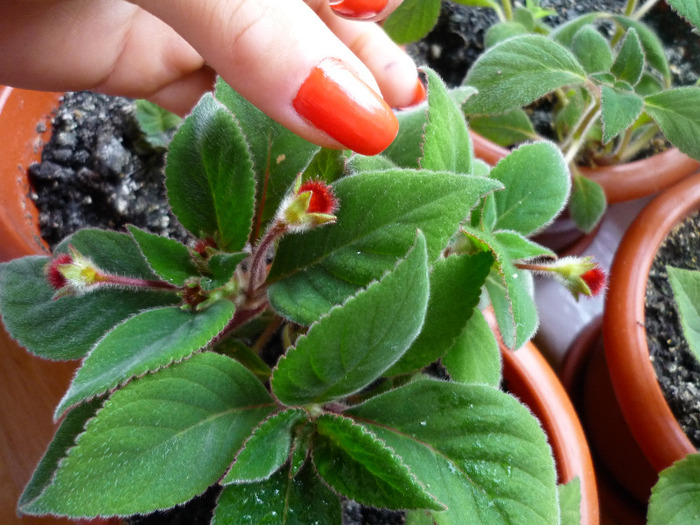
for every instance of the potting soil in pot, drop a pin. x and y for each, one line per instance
(675, 365)
(97, 171)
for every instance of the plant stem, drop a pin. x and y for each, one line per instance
(578, 137)
(630, 7)
(646, 7)
(639, 143)
(259, 259)
(507, 9)
(133, 282)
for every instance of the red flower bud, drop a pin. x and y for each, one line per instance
(322, 198)
(53, 274)
(595, 279)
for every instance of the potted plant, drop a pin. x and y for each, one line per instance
(370, 268)
(619, 389)
(606, 97)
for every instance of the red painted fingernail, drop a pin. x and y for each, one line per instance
(419, 94)
(335, 100)
(358, 8)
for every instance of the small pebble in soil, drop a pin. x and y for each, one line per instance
(676, 367)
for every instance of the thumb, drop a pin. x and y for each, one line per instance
(282, 58)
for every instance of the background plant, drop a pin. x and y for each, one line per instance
(173, 394)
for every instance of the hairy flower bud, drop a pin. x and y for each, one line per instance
(310, 204)
(72, 273)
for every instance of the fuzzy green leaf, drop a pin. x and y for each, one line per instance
(677, 111)
(146, 342)
(537, 185)
(356, 464)
(455, 287)
(686, 293)
(190, 418)
(570, 502)
(688, 9)
(629, 62)
(278, 155)
(412, 20)
(156, 123)
(592, 50)
(359, 163)
(64, 439)
(267, 449)
(222, 266)
(565, 33)
(354, 344)
(653, 47)
(283, 499)
(620, 108)
(327, 165)
(587, 204)
(675, 499)
(477, 450)
(505, 130)
(209, 176)
(245, 355)
(447, 145)
(502, 31)
(170, 259)
(475, 356)
(521, 248)
(69, 327)
(519, 71)
(377, 221)
(407, 148)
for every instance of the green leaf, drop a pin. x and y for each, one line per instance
(337, 357)
(69, 327)
(156, 123)
(519, 248)
(245, 355)
(629, 63)
(510, 291)
(477, 449)
(283, 499)
(278, 155)
(267, 449)
(447, 145)
(677, 111)
(222, 267)
(686, 293)
(170, 259)
(502, 31)
(475, 356)
(144, 343)
(675, 499)
(209, 176)
(359, 163)
(570, 502)
(412, 20)
(537, 185)
(519, 71)
(648, 85)
(688, 9)
(653, 47)
(455, 287)
(64, 439)
(407, 148)
(328, 165)
(587, 204)
(354, 462)
(620, 108)
(190, 418)
(565, 33)
(592, 49)
(377, 221)
(505, 130)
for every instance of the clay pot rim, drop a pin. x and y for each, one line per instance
(638, 392)
(620, 182)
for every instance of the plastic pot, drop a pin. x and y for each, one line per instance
(641, 400)
(25, 122)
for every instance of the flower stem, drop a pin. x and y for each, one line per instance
(259, 259)
(134, 282)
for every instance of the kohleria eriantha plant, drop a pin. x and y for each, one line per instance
(349, 275)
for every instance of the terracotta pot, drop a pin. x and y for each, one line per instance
(528, 376)
(622, 182)
(25, 121)
(636, 387)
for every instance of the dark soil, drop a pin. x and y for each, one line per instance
(97, 171)
(676, 367)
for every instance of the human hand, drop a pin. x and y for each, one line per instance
(266, 49)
